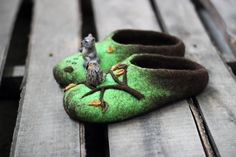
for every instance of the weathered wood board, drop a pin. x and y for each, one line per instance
(223, 13)
(8, 11)
(166, 132)
(217, 102)
(43, 128)
(226, 9)
(217, 34)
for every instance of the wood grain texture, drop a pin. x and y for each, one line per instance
(226, 10)
(217, 102)
(43, 128)
(220, 16)
(8, 11)
(218, 35)
(166, 132)
(112, 15)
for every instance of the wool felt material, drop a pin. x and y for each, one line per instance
(153, 80)
(116, 47)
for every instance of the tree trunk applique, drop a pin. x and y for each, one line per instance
(121, 85)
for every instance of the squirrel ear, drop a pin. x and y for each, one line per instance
(90, 35)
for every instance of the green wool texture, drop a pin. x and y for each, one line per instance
(121, 105)
(143, 70)
(115, 48)
(159, 80)
(109, 52)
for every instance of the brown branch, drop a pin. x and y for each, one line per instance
(125, 77)
(115, 78)
(102, 94)
(121, 85)
(129, 90)
(86, 84)
(81, 82)
(89, 86)
(104, 104)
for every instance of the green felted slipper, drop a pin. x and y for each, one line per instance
(138, 85)
(115, 48)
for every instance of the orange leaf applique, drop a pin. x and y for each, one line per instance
(95, 103)
(120, 72)
(114, 67)
(109, 49)
(69, 86)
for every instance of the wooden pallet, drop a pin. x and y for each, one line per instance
(42, 123)
(8, 11)
(201, 126)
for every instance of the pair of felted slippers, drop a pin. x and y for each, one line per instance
(144, 70)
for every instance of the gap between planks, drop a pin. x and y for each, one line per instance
(8, 11)
(223, 14)
(201, 127)
(191, 101)
(43, 125)
(216, 102)
(216, 28)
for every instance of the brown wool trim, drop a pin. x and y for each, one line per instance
(129, 90)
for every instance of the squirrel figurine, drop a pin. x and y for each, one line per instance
(94, 74)
(88, 50)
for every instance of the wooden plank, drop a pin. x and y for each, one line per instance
(43, 128)
(122, 15)
(226, 9)
(223, 13)
(165, 132)
(218, 35)
(217, 102)
(8, 11)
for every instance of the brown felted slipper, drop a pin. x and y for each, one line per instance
(138, 85)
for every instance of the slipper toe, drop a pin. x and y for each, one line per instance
(69, 70)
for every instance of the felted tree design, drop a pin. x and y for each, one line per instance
(121, 85)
